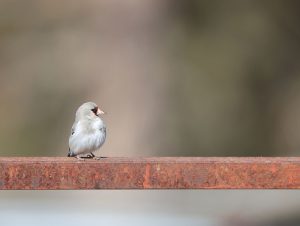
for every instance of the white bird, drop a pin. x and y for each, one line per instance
(88, 132)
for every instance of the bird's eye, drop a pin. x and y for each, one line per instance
(94, 110)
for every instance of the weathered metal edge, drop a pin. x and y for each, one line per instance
(58, 173)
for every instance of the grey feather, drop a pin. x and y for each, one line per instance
(88, 132)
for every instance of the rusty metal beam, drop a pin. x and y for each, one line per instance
(149, 173)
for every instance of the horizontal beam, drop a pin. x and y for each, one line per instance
(43, 173)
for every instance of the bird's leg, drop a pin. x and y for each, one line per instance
(91, 155)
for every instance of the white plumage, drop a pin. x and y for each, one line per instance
(88, 131)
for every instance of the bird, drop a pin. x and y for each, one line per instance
(88, 132)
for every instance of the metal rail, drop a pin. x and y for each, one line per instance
(43, 173)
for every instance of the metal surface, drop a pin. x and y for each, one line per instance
(149, 173)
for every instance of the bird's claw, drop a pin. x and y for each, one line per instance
(91, 155)
(79, 158)
(96, 158)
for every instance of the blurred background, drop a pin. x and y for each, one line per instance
(177, 78)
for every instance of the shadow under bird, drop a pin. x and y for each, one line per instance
(88, 132)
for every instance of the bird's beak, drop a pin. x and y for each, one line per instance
(100, 112)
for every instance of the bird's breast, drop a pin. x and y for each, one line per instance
(88, 137)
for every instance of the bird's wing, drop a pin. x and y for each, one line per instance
(73, 128)
(104, 130)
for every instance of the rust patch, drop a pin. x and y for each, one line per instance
(146, 183)
(150, 173)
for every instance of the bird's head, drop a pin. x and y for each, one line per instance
(89, 110)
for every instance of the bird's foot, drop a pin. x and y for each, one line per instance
(99, 157)
(79, 158)
(91, 155)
